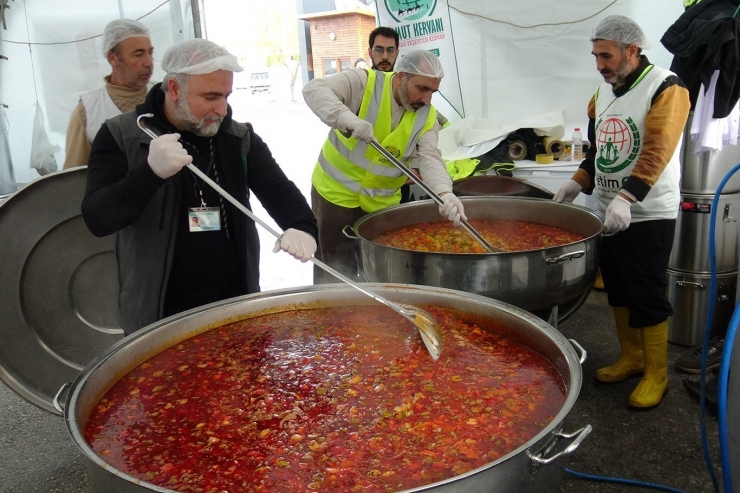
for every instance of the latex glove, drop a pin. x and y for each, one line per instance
(167, 156)
(297, 243)
(618, 215)
(359, 128)
(452, 209)
(568, 192)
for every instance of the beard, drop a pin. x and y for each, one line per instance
(618, 77)
(187, 119)
(403, 95)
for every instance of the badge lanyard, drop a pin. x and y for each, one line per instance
(206, 218)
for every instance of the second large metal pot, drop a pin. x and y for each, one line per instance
(533, 280)
(534, 467)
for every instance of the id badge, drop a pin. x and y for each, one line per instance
(204, 219)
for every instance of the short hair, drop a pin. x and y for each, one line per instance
(383, 31)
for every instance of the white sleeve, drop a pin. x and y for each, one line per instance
(428, 160)
(329, 97)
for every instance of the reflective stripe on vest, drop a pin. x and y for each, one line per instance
(349, 173)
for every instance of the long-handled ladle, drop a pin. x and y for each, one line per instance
(429, 328)
(390, 157)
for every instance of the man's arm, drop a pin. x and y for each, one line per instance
(331, 96)
(664, 125)
(115, 196)
(77, 147)
(428, 160)
(279, 196)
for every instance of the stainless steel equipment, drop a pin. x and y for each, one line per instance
(689, 295)
(702, 174)
(689, 264)
(691, 245)
(58, 289)
(533, 467)
(487, 185)
(532, 280)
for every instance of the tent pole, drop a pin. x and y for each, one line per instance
(197, 21)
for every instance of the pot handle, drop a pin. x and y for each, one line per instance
(62, 391)
(565, 256)
(580, 349)
(577, 437)
(352, 235)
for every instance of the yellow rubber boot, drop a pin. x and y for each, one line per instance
(654, 382)
(630, 362)
(599, 282)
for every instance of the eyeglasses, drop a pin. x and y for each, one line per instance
(379, 50)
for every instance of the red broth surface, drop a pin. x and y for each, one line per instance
(325, 400)
(511, 236)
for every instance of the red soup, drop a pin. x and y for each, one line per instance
(325, 400)
(507, 235)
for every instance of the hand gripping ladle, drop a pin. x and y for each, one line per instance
(429, 329)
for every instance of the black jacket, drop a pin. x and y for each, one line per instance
(705, 38)
(124, 196)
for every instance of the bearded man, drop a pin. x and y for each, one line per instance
(636, 122)
(351, 178)
(129, 51)
(137, 189)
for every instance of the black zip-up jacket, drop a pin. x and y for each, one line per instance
(124, 196)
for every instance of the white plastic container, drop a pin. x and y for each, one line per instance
(552, 177)
(577, 146)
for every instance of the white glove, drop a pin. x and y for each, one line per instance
(167, 156)
(452, 209)
(297, 243)
(568, 192)
(359, 128)
(618, 215)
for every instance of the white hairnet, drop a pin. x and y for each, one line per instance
(622, 30)
(421, 62)
(120, 29)
(198, 56)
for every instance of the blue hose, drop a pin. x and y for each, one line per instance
(724, 373)
(630, 482)
(726, 356)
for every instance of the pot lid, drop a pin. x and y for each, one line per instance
(58, 290)
(498, 185)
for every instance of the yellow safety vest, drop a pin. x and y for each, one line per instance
(350, 173)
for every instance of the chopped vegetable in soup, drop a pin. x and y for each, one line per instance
(324, 400)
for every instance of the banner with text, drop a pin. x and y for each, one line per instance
(425, 25)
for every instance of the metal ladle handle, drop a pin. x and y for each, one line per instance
(390, 157)
(269, 228)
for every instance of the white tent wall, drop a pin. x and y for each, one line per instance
(65, 59)
(523, 58)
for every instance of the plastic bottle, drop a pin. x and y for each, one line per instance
(577, 146)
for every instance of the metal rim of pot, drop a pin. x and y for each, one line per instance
(556, 276)
(546, 448)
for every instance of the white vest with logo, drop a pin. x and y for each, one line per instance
(620, 130)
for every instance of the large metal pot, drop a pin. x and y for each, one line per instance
(533, 467)
(533, 280)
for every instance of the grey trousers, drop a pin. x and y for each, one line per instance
(334, 247)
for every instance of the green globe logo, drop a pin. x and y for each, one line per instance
(409, 10)
(614, 145)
